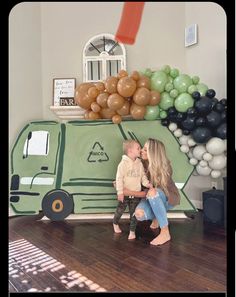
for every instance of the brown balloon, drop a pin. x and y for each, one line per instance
(111, 84)
(115, 101)
(116, 119)
(124, 110)
(126, 86)
(142, 96)
(135, 75)
(122, 73)
(100, 86)
(93, 92)
(94, 115)
(83, 88)
(83, 100)
(155, 98)
(144, 81)
(137, 112)
(95, 107)
(102, 99)
(107, 113)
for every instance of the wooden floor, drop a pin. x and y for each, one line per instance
(87, 256)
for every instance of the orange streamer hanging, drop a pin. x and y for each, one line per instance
(130, 21)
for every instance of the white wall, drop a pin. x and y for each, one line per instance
(207, 59)
(47, 39)
(25, 83)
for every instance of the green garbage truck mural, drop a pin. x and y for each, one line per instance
(65, 168)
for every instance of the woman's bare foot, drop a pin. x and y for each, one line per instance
(116, 228)
(162, 238)
(154, 224)
(131, 235)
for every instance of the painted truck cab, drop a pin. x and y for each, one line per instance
(64, 168)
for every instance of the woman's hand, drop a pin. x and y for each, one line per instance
(151, 192)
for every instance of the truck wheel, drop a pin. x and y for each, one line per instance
(57, 205)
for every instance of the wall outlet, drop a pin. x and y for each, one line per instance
(214, 184)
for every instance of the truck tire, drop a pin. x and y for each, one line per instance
(57, 205)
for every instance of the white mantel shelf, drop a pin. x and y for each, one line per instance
(68, 112)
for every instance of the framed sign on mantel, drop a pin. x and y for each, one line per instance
(63, 91)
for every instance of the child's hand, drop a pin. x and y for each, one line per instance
(150, 186)
(120, 197)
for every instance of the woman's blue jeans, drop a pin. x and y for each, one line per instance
(155, 207)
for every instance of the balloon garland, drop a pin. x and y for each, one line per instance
(183, 104)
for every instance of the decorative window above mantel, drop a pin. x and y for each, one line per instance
(103, 56)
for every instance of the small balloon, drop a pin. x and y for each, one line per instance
(210, 93)
(202, 88)
(201, 134)
(215, 173)
(155, 98)
(144, 81)
(182, 83)
(221, 131)
(174, 72)
(215, 146)
(142, 96)
(135, 75)
(116, 119)
(174, 93)
(203, 170)
(183, 102)
(137, 111)
(122, 73)
(198, 151)
(95, 107)
(107, 113)
(93, 92)
(195, 79)
(163, 114)
(158, 81)
(218, 162)
(166, 101)
(102, 99)
(152, 113)
(94, 115)
(100, 86)
(125, 109)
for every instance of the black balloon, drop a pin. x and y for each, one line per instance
(173, 118)
(186, 132)
(188, 123)
(200, 121)
(219, 107)
(213, 119)
(210, 93)
(223, 101)
(180, 116)
(204, 105)
(172, 110)
(201, 134)
(191, 111)
(196, 95)
(221, 131)
(165, 122)
(214, 101)
(223, 116)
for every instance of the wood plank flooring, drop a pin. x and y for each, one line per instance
(86, 256)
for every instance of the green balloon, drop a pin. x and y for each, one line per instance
(148, 72)
(183, 102)
(166, 69)
(166, 101)
(174, 72)
(152, 112)
(158, 81)
(195, 79)
(192, 89)
(170, 79)
(174, 93)
(168, 87)
(182, 82)
(163, 114)
(202, 88)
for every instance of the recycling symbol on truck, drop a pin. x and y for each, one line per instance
(97, 154)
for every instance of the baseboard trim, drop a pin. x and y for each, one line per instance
(95, 216)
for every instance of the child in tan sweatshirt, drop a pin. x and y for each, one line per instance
(130, 175)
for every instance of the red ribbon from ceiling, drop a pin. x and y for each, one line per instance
(130, 22)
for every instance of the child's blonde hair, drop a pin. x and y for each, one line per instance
(127, 144)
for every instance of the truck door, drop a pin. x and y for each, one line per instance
(33, 166)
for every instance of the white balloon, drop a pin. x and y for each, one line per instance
(184, 148)
(215, 146)
(193, 161)
(178, 133)
(198, 151)
(207, 156)
(172, 127)
(215, 173)
(203, 163)
(225, 141)
(203, 170)
(218, 162)
(190, 154)
(184, 139)
(191, 142)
